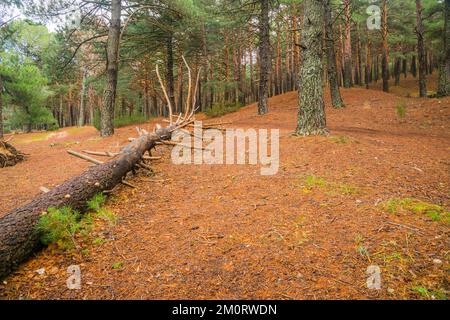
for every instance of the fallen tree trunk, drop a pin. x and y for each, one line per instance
(18, 237)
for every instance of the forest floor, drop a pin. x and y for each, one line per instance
(337, 205)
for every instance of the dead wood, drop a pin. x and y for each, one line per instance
(18, 236)
(9, 156)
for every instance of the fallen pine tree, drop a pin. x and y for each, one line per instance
(18, 236)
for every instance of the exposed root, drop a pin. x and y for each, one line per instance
(9, 156)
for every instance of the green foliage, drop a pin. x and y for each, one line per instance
(410, 205)
(219, 109)
(98, 241)
(117, 265)
(311, 182)
(430, 294)
(26, 91)
(314, 181)
(96, 205)
(61, 225)
(121, 121)
(97, 201)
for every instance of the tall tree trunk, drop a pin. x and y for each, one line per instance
(287, 63)
(264, 57)
(112, 70)
(226, 53)
(347, 45)
(170, 79)
(397, 71)
(252, 89)
(278, 62)
(404, 67)
(359, 57)
(61, 111)
(336, 98)
(421, 51)
(368, 72)
(296, 53)
(413, 68)
(385, 50)
(1, 108)
(180, 84)
(91, 105)
(81, 118)
(444, 61)
(311, 114)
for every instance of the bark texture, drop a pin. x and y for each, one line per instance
(81, 118)
(1, 108)
(170, 77)
(336, 98)
(18, 236)
(444, 64)
(112, 69)
(421, 51)
(385, 49)
(347, 46)
(311, 114)
(264, 59)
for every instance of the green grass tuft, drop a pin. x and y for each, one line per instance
(410, 205)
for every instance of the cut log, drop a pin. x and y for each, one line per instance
(18, 236)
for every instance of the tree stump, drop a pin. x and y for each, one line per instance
(9, 156)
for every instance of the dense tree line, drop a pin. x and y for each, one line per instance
(101, 70)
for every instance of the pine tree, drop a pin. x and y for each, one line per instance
(421, 50)
(336, 98)
(385, 48)
(444, 64)
(311, 114)
(347, 45)
(112, 70)
(264, 57)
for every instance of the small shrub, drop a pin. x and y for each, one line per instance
(60, 226)
(97, 201)
(219, 109)
(96, 205)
